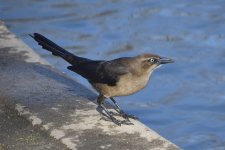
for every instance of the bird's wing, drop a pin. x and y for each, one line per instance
(107, 72)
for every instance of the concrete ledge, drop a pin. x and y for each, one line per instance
(59, 105)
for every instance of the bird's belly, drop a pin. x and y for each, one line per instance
(127, 85)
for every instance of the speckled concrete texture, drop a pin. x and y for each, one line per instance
(62, 107)
(17, 133)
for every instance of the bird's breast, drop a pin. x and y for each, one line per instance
(128, 84)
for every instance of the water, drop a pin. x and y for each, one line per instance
(185, 101)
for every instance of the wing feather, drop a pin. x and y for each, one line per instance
(106, 72)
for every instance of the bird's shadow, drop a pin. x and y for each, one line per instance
(111, 117)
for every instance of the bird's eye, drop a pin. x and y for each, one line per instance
(151, 60)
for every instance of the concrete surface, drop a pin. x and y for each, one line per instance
(17, 133)
(60, 106)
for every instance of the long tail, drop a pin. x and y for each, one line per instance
(57, 50)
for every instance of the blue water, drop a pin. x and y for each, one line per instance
(185, 101)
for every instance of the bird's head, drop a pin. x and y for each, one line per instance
(150, 62)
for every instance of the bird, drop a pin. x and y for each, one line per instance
(110, 78)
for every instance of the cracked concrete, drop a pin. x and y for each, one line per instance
(60, 106)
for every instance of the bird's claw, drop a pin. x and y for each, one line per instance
(127, 116)
(117, 122)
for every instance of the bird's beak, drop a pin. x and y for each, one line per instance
(164, 60)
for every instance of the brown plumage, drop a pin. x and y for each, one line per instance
(138, 72)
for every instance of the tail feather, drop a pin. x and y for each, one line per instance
(56, 49)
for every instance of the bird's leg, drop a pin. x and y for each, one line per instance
(119, 110)
(122, 113)
(100, 102)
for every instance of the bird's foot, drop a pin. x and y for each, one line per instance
(110, 116)
(127, 116)
(117, 122)
(121, 112)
